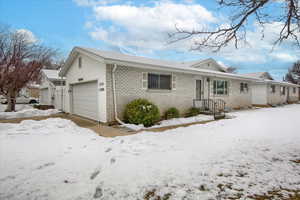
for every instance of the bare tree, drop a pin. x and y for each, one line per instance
(293, 75)
(20, 63)
(285, 12)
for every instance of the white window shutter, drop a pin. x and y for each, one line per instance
(174, 79)
(144, 80)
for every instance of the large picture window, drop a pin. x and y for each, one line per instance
(220, 87)
(159, 81)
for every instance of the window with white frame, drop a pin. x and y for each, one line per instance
(273, 89)
(79, 62)
(294, 90)
(220, 87)
(282, 90)
(159, 81)
(244, 87)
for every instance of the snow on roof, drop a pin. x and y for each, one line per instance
(183, 66)
(51, 74)
(259, 75)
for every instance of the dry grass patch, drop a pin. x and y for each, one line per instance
(278, 194)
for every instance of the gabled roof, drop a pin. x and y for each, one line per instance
(260, 75)
(203, 62)
(110, 57)
(51, 74)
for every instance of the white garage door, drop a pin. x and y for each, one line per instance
(44, 96)
(85, 100)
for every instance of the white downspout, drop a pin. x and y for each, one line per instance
(114, 95)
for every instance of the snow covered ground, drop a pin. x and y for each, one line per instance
(172, 122)
(25, 110)
(250, 154)
(18, 107)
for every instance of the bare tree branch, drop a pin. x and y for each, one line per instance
(20, 63)
(243, 12)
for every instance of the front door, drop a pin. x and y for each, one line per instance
(198, 89)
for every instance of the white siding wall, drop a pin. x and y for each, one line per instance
(294, 97)
(46, 99)
(277, 97)
(90, 70)
(259, 94)
(60, 98)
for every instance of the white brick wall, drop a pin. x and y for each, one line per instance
(129, 87)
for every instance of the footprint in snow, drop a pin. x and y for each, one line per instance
(98, 193)
(45, 165)
(94, 174)
(7, 178)
(112, 160)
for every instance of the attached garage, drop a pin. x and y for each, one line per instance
(44, 96)
(85, 100)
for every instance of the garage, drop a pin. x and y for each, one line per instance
(44, 96)
(84, 100)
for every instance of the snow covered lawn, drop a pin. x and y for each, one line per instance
(18, 107)
(251, 154)
(172, 122)
(25, 110)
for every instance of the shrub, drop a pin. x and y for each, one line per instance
(172, 113)
(141, 111)
(193, 112)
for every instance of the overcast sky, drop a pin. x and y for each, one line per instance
(141, 27)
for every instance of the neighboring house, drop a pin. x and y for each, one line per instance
(271, 92)
(101, 83)
(52, 88)
(31, 90)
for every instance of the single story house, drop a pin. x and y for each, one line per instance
(100, 83)
(267, 91)
(52, 88)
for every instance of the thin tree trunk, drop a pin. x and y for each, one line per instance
(11, 102)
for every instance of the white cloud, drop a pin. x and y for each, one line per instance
(261, 49)
(30, 37)
(285, 57)
(94, 2)
(147, 26)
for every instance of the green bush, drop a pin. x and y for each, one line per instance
(172, 113)
(141, 111)
(193, 112)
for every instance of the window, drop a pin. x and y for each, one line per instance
(220, 87)
(273, 89)
(282, 90)
(159, 81)
(294, 90)
(244, 87)
(79, 62)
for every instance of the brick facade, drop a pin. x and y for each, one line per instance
(129, 87)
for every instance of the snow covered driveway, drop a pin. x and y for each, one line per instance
(251, 154)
